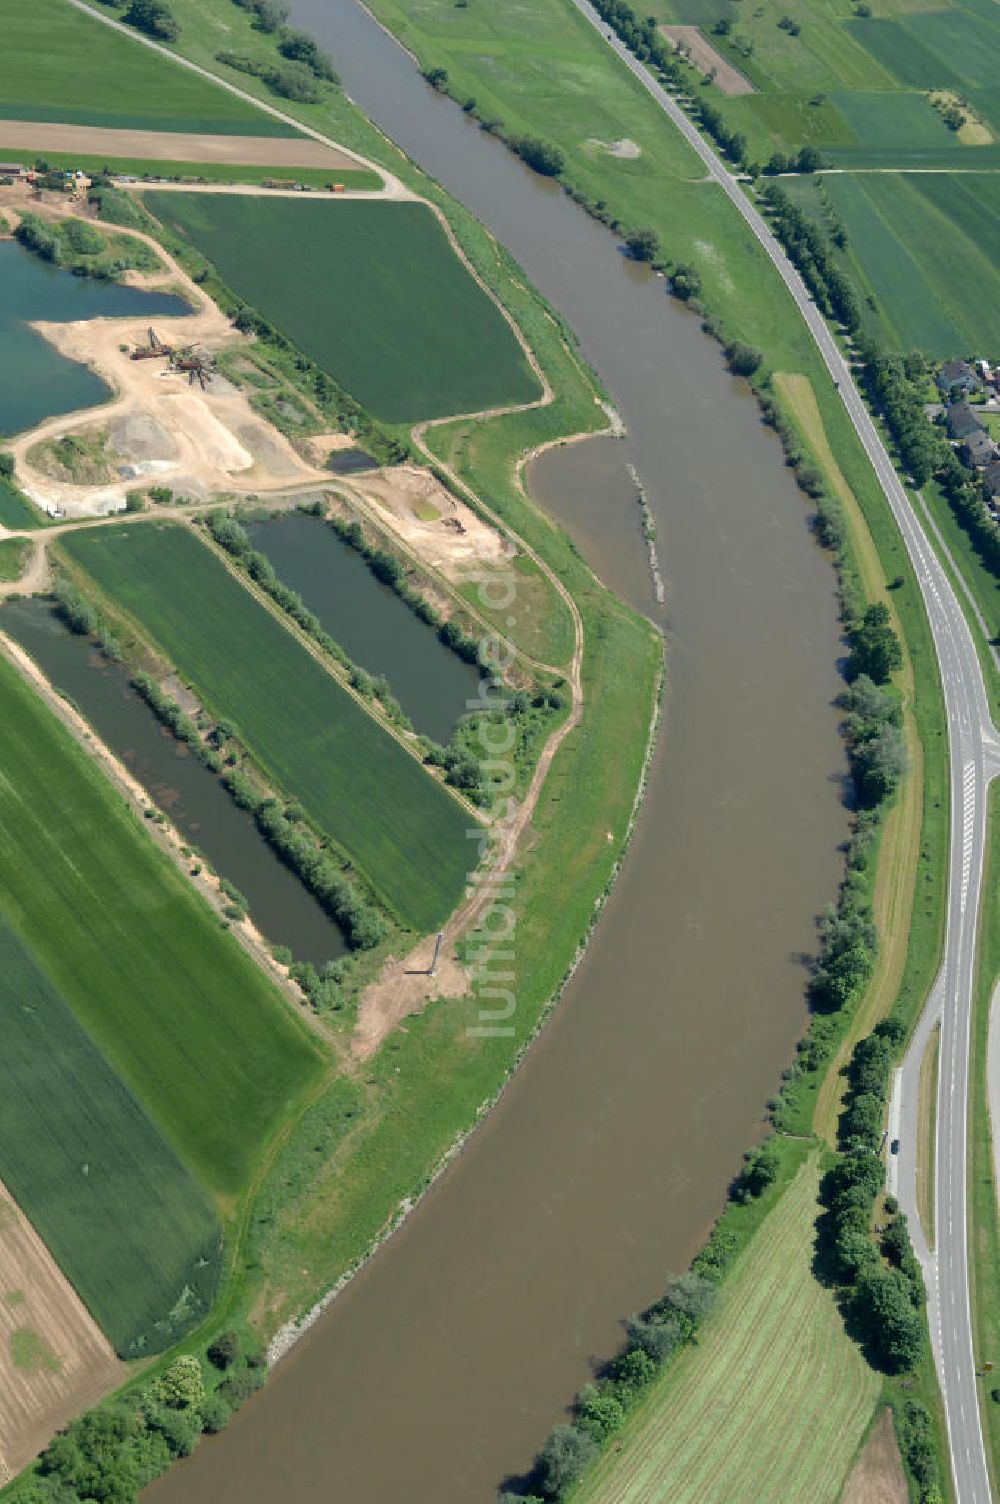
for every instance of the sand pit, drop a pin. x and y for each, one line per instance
(171, 146)
(727, 79)
(162, 427)
(441, 530)
(54, 1360)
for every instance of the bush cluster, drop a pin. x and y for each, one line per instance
(111, 1454)
(600, 1408)
(872, 728)
(292, 81)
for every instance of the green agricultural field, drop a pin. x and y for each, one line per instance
(402, 830)
(181, 1012)
(955, 47)
(373, 292)
(936, 286)
(128, 1225)
(772, 1402)
(59, 64)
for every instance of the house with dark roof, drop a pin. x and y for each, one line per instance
(962, 421)
(979, 449)
(991, 480)
(957, 375)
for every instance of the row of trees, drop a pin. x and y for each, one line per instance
(810, 251)
(362, 923)
(600, 1409)
(229, 534)
(883, 1284)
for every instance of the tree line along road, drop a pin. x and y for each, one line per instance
(974, 750)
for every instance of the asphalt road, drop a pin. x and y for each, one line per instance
(975, 758)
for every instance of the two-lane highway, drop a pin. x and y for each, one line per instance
(975, 758)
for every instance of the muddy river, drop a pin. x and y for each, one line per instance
(445, 1364)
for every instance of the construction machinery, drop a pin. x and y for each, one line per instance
(154, 350)
(199, 366)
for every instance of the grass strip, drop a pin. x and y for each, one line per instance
(984, 1228)
(926, 1142)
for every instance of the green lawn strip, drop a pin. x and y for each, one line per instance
(378, 298)
(14, 555)
(16, 511)
(984, 1230)
(772, 1401)
(177, 1006)
(211, 172)
(62, 65)
(127, 1224)
(400, 827)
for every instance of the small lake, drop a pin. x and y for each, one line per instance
(373, 626)
(36, 382)
(177, 782)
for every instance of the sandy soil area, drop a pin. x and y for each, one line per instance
(164, 429)
(171, 146)
(54, 1360)
(877, 1477)
(705, 58)
(440, 530)
(625, 150)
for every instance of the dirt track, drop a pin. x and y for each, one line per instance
(171, 146)
(73, 1365)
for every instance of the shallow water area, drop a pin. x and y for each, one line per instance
(176, 782)
(36, 382)
(376, 629)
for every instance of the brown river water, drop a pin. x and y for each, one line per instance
(441, 1369)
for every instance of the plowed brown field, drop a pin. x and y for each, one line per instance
(54, 1360)
(171, 146)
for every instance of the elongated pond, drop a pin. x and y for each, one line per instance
(36, 382)
(444, 1365)
(176, 781)
(374, 627)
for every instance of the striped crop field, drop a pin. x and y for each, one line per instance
(773, 1401)
(128, 1225)
(399, 827)
(192, 1026)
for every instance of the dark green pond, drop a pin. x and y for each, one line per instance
(177, 782)
(373, 626)
(35, 381)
